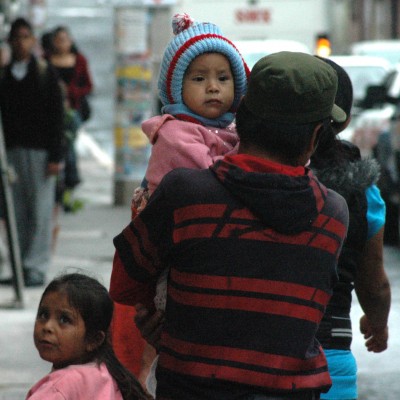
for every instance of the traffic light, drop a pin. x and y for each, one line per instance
(323, 46)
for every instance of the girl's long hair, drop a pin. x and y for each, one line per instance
(91, 299)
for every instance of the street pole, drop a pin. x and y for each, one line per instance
(12, 236)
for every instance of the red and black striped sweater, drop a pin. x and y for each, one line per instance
(252, 248)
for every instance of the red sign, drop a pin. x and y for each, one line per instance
(260, 16)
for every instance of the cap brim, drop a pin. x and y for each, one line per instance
(338, 115)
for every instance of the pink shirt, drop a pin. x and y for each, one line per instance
(178, 143)
(76, 382)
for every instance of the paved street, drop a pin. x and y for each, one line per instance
(379, 373)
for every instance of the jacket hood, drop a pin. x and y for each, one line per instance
(288, 204)
(152, 126)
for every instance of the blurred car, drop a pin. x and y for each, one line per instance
(388, 49)
(363, 71)
(253, 50)
(376, 131)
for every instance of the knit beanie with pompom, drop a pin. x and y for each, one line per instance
(191, 40)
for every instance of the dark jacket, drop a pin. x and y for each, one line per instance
(32, 110)
(252, 258)
(351, 178)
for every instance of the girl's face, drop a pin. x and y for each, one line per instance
(62, 42)
(208, 86)
(59, 332)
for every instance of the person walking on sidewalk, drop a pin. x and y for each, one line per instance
(32, 115)
(252, 245)
(339, 166)
(73, 71)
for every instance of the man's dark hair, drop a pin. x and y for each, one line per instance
(287, 141)
(18, 24)
(331, 150)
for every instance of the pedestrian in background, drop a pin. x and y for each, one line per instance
(32, 115)
(72, 332)
(339, 166)
(252, 245)
(73, 70)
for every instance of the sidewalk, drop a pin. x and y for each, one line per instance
(84, 242)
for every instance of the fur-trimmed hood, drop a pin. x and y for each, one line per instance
(348, 177)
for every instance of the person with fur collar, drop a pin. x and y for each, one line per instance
(338, 165)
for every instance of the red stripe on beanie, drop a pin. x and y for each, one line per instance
(246, 68)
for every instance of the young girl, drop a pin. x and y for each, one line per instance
(71, 332)
(202, 80)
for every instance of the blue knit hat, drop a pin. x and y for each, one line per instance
(191, 40)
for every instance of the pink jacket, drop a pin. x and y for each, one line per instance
(178, 143)
(76, 382)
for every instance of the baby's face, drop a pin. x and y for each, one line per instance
(208, 85)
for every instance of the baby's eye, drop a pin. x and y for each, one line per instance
(224, 78)
(197, 79)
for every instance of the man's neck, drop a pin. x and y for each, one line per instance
(261, 153)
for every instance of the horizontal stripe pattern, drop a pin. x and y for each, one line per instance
(202, 222)
(223, 295)
(336, 332)
(252, 377)
(254, 359)
(246, 304)
(248, 285)
(240, 312)
(290, 301)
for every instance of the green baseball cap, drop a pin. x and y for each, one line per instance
(290, 87)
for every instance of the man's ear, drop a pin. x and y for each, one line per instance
(337, 127)
(95, 341)
(315, 138)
